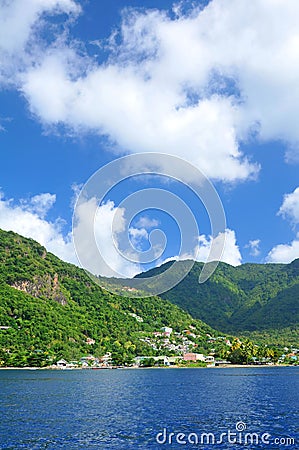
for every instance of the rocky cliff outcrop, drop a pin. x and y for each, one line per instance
(43, 286)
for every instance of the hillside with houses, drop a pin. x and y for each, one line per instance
(260, 301)
(53, 315)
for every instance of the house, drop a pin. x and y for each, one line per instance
(90, 341)
(166, 330)
(61, 363)
(72, 365)
(106, 359)
(221, 362)
(129, 289)
(209, 359)
(193, 357)
(87, 361)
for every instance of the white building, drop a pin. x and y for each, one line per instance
(167, 330)
(210, 359)
(61, 363)
(194, 357)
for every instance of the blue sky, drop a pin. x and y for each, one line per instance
(214, 83)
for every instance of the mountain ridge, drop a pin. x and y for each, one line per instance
(248, 297)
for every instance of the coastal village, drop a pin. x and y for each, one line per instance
(181, 349)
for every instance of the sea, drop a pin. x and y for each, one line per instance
(209, 408)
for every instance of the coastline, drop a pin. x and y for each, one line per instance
(223, 366)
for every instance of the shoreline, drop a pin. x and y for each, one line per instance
(223, 366)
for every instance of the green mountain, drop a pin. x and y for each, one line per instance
(50, 309)
(246, 298)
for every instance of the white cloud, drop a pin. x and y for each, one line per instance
(284, 253)
(254, 246)
(110, 225)
(290, 206)
(20, 21)
(146, 222)
(140, 231)
(137, 235)
(230, 254)
(18, 18)
(167, 85)
(28, 219)
(98, 234)
(39, 204)
(138, 115)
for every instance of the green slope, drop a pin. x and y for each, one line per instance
(245, 298)
(51, 308)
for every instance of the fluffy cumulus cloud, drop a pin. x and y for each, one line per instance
(194, 84)
(27, 218)
(231, 252)
(289, 209)
(20, 22)
(98, 235)
(39, 204)
(285, 253)
(290, 206)
(107, 245)
(225, 244)
(110, 227)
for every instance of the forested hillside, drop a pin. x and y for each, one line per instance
(50, 309)
(250, 297)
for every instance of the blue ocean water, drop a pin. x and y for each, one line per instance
(148, 409)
